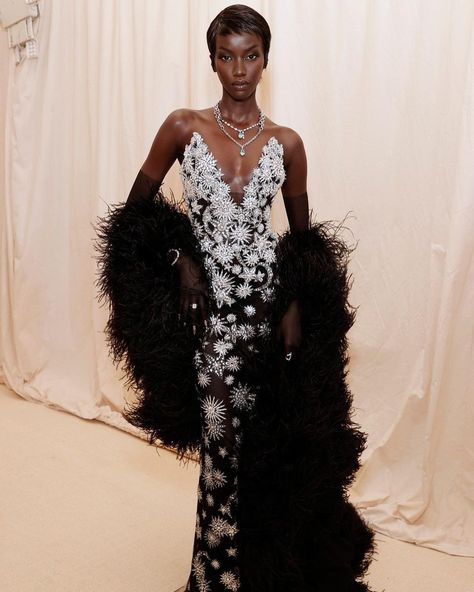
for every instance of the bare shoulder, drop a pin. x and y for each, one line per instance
(293, 145)
(290, 139)
(182, 122)
(168, 143)
(178, 122)
(294, 159)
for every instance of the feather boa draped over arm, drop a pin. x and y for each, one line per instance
(300, 450)
(143, 332)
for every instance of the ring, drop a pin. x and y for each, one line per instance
(194, 305)
(288, 356)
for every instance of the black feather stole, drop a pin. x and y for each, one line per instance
(143, 332)
(300, 449)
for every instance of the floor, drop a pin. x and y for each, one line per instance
(85, 507)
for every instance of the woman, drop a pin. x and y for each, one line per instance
(234, 337)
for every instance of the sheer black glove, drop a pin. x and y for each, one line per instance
(144, 187)
(289, 329)
(194, 297)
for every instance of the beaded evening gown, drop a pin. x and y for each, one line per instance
(238, 246)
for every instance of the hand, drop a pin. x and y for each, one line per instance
(290, 329)
(194, 291)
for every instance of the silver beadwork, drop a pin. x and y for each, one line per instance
(237, 239)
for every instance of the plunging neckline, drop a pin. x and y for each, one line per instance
(218, 169)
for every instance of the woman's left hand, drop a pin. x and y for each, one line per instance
(289, 329)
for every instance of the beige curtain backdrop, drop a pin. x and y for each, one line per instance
(381, 92)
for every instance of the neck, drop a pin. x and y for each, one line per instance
(239, 113)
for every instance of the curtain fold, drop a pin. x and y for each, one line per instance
(382, 95)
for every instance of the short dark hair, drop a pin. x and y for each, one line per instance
(238, 18)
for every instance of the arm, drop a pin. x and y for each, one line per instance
(164, 151)
(293, 189)
(295, 198)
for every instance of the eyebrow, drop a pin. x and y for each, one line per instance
(230, 51)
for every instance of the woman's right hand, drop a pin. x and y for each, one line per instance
(193, 290)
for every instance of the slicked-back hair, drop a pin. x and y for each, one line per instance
(238, 18)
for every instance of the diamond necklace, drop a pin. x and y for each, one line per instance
(220, 123)
(240, 132)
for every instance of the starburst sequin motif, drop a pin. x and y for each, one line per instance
(224, 253)
(233, 363)
(214, 409)
(217, 324)
(222, 347)
(241, 395)
(240, 233)
(203, 379)
(249, 310)
(230, 581)
(243, 290)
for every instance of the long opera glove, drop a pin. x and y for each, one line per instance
(144, 187)
(289, 329)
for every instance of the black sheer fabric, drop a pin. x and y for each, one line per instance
(144, 187)
(297, 210)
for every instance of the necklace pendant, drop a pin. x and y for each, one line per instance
(241, 135)
(242, 151)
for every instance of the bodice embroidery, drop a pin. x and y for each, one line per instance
(236, 239)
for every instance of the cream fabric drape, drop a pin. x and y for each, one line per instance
(382, 94)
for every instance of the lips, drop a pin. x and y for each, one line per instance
(240, 84)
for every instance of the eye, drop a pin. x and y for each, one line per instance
(253, 56)
(223, 57)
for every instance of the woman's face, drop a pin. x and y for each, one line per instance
(239, 63)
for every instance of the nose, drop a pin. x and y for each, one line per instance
(239, 68)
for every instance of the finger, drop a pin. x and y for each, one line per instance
(203, 309)
(185, 307)
(193, 311)
(181, 306)
(278, 333)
